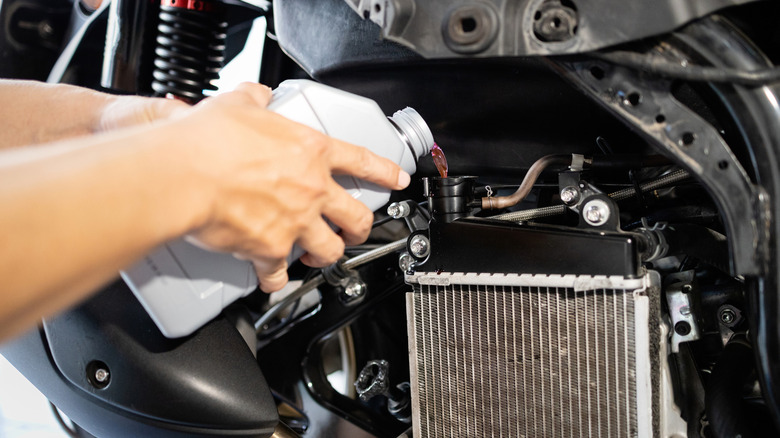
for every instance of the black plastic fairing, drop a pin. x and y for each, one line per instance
(208, 384)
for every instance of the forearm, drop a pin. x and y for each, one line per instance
(76, 212)
(33, 112)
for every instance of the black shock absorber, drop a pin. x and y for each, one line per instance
(190, 48)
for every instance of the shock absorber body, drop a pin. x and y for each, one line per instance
(190, 48)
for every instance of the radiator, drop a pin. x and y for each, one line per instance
(533, 355)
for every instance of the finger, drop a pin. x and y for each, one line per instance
(323, 246)
(344, 157)
(271, 273)
(259, 93)
(349, 214)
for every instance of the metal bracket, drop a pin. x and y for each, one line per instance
(447, 28)
(596, 209)
(684, 325)
(647, 104)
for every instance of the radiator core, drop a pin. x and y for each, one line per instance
(533, 356)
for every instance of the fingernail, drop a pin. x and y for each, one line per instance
(403, 179)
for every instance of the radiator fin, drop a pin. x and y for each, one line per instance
(511, 361)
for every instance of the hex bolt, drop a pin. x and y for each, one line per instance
(354, 289)
(596, 212)
(397, 210)
(420, 246)
(405, 262)
(102, 375)
(727, 316)
(570, 195)
(682, 328)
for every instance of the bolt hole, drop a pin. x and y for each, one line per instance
(468, 24)
(537, 16)
(98, 374)
(688, 138)
(377, 8)
(634, 99)
(660, 118)
(556, 23)
(597, 72)
(723, 164)
(682, 328)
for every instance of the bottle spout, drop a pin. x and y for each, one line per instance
(414, 131)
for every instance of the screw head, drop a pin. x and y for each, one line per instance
(405, 262)
(102, 375)
(555, 23)
(420, 246)
(569, 195)
(354, 289)
(397, 210)
(727, 316)
(596, 212)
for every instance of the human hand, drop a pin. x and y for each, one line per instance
(127, 111)
(269, 182)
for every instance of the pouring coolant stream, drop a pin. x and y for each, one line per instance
(183, 286)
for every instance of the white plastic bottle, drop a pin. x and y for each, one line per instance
(182, 286)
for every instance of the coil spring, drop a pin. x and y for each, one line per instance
(190, 49)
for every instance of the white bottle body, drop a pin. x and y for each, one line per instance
(183, 286)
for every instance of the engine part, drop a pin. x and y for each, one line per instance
(689, 72)
(352, 263)
(190, 48)
(679, 292)
(650, 106)
(354, 291)
(574, 161)
(596, 212)
(485, 245)
(449, 198)
(528, 27)
(398, 210)
(34, 32)
(374, 380)
(524, 355)
(419, 246)
(130, 37)
(412, 213)
(620, 195)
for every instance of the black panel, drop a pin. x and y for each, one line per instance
(474, 245)
(206, 385)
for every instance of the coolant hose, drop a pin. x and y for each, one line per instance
(726, 410)
(499, 202)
